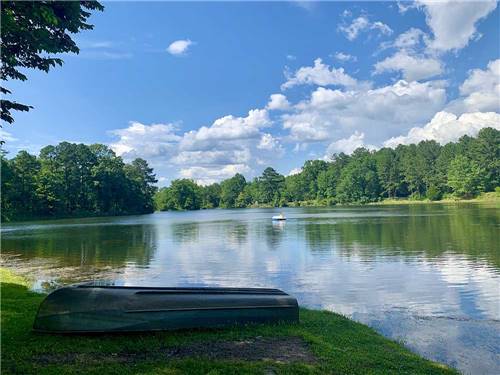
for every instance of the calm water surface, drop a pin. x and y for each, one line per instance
(427, 275)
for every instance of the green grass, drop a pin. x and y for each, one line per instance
(490, 197)
(341, 346)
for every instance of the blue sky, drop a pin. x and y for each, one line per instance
(187, 86)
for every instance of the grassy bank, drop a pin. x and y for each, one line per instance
(493, 196)
(322, 342)
(484, 197)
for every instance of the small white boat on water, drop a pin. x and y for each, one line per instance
(279, 217)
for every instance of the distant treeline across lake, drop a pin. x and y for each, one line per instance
(417, 171)
(81, 180)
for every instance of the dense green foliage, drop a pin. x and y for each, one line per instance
(31, 32)
(74, 180)
(424, 171)
(79, 180)
(339, 345)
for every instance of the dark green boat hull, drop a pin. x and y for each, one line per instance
(91, 309)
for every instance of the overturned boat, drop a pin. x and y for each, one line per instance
(92, 308)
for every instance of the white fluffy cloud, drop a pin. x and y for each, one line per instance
(179, 47)
(453, 23)
(482, 80)
(362, 24)
(148, 141)
(480, 91)
(410, 59)
(231, 144)
(278, 102)
(320, 74)
(446, 127)
(209, 175)
(227, 128)
(270, 143)
(329, 120)
(347, 145)
(345, 119)
(411, 66)
(332, 114)
(212, 157)
(352, 30)
(294, 171)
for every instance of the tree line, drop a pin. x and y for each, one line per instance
(74, 180)
(86, 180)
(417, 171)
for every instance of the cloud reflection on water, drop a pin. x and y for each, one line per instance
(426, 275)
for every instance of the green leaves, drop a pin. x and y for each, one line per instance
(182, 194)
(75, 180)
(231, 189)
(270, 186)
(466, 177)
(359, 182)
(8, 105)
(47, 14)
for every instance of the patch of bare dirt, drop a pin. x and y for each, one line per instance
(280, 350)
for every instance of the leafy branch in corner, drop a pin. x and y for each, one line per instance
(31, 32)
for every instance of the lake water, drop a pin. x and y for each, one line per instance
(426, 275)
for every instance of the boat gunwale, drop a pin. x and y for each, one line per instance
(181, 290)
(213, 308)
(213, 291)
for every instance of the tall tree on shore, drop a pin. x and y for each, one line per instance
(108, 174)
(412, 168)
(310, 172)
(231, 189)
(141, 188)
(8, 188)
(388, 171)
(466, 177)
(428, 152)
(446, 156)
(295, 188)
(31, 33)
(182, 194)
(210, 196)
(50, 187)
(486, 152)
(26, 168)
(359, 181)
(270, 184)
